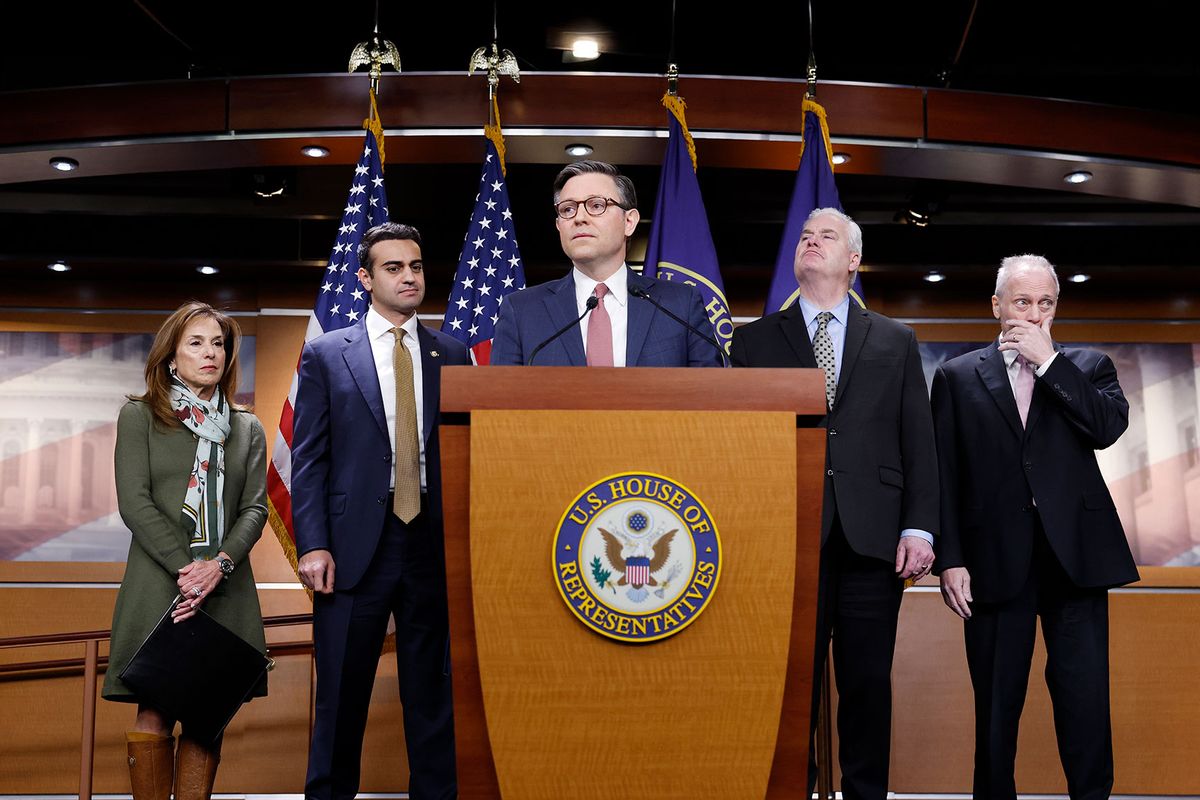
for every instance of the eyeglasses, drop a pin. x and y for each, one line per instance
(595, 205)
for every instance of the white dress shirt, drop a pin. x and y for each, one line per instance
(616, 303)
(383, 344)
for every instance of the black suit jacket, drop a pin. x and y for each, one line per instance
(881, 467)
(341, 450)
(993, 470)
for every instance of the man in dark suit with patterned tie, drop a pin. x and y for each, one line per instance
(367, 511)
(1029, 529)
(881, 486)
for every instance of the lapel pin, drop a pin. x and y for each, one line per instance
(433, 354)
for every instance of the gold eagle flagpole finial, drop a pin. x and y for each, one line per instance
(496, 63)
(374, 54)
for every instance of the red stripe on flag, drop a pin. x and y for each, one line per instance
(285, 422)
(483, 353)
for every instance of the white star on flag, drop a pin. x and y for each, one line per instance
(481, 286)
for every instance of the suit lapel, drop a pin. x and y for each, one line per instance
(361, 363)
(561, 308)
(791, 323)
(639, 316)
(994, 375)
(857, 326)
(431, 378)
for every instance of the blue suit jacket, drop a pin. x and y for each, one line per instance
(341, 450)
(531, 316)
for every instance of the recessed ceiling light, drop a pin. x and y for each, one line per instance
(63, 164)
(314, 151)
(917, 217)
(1078, 176)
(585, 49)
(579, 150)
(207, 269)
(933, 276)
(841, 158)
(59, 266)
(1080, 277)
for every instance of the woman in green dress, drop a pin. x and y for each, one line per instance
(191, 487)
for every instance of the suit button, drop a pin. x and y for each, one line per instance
(1028, 465)
(833, 431)
(387, 457)
(379, 500)
(1027, 509)
(829, 472)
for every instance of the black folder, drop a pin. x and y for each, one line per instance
(197, 671)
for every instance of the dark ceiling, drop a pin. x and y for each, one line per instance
(130, 228)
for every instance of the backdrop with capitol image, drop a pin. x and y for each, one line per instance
(59, 398)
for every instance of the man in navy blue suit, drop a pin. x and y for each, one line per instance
(596, 210)
(367, 512)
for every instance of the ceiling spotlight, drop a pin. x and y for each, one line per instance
(579, 149)
(314, 151)
(1080, 277)
(918, 217)
(59, 266)
(841, 158)
(63, 164)
(207, 269)
(1078, 176)
(585, 49)
(933, 276)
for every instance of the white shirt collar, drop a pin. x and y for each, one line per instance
(378, 325)
(617, 283)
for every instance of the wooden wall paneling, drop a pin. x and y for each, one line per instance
(116, 111)
(1061, 125)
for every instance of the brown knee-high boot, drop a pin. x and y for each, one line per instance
(195, 768)
(151, 760)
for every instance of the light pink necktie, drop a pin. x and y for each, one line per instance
(599, 337)
(1023, 388)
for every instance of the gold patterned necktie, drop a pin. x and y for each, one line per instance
(823, 350)
(407, 502)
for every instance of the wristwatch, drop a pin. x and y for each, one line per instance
(226, 566)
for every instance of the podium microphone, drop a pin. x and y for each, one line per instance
(638, 291)
(592, 302)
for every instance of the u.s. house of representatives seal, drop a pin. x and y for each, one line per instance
(637, 557)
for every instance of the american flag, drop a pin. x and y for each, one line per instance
(341, 302)
(490, 265)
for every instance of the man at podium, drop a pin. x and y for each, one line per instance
(881, 483)
(601, 314)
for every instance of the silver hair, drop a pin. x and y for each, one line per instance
(1014, 264)
(854, 233)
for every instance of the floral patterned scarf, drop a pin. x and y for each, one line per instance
(202, 509)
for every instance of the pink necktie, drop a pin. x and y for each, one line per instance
(599, 336)
(1023, 388)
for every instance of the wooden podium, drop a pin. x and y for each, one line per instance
(547, 708)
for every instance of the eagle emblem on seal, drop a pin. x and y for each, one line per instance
(637, 558)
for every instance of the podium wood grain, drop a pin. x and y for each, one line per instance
(571, 713)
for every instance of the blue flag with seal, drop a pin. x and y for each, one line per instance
(815, 188)
(681, 246)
